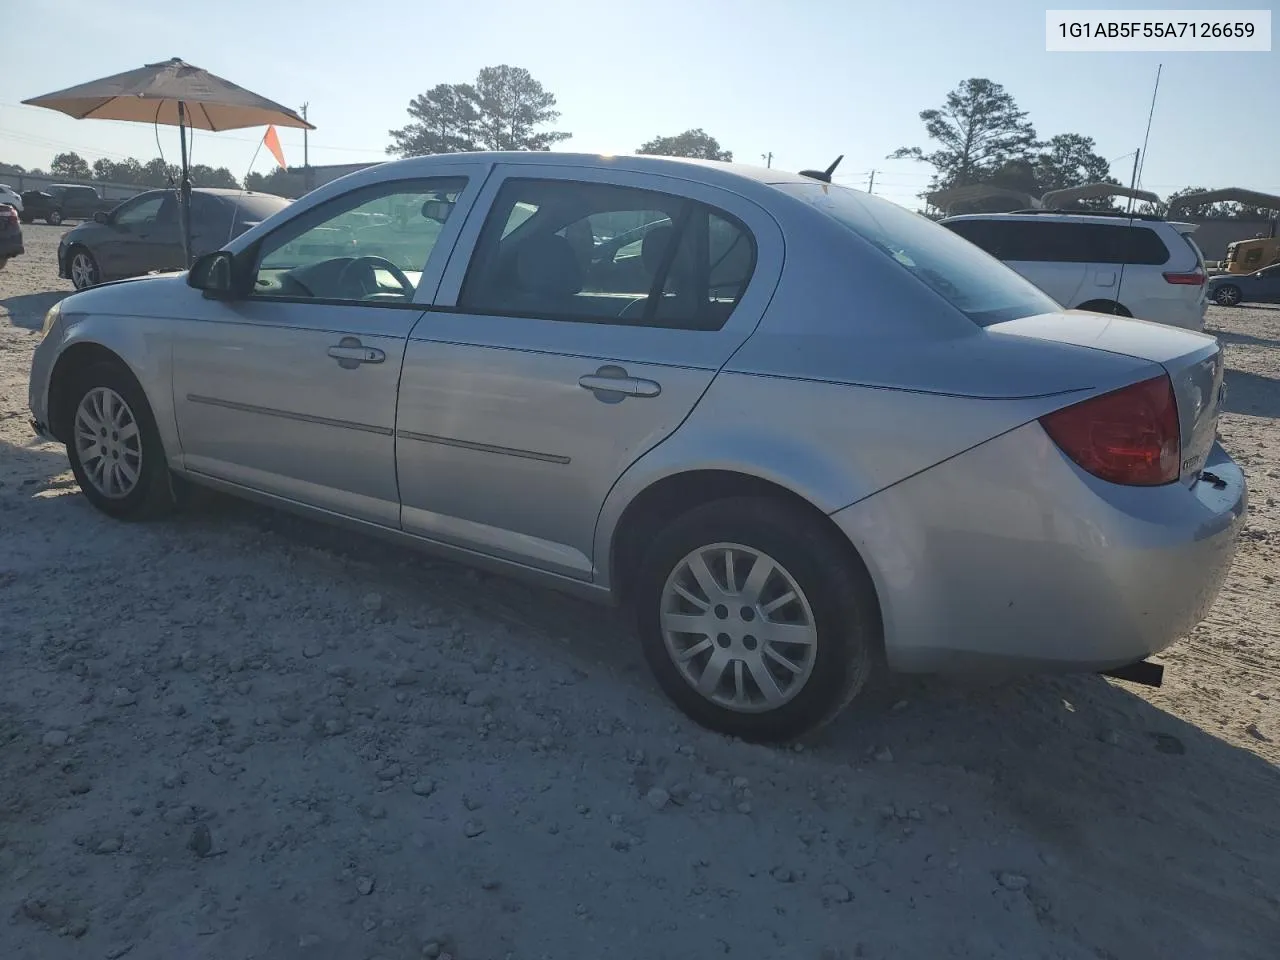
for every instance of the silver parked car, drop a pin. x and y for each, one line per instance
(802, 432)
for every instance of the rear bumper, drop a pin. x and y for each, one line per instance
(1009, 558)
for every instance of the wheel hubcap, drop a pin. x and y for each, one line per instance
(108, 443)
(82, 271)
(738, 628)
(1227, 295)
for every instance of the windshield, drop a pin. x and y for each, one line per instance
(978, 285)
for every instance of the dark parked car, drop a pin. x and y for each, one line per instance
(62, 201)
(144, 233)
(1261, 286)
(10, 233)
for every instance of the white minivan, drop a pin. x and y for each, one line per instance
(1144, 266)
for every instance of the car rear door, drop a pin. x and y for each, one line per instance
(1050, 254)
(553, 359)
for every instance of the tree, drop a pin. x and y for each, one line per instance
(695, 143)
(203, 175)
(1070, 160)
(159, 173)
(70, 166)
(444, 121)
(277, 181)
(502, 110)
(979, 128)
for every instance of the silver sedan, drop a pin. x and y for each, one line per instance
(803, 433)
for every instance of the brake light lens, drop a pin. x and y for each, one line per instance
(1129, 436)
(1195, 279)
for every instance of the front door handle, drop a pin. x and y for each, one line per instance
(350, 353)
(612, 383)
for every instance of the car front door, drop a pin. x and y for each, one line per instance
(122, 250)
(554, 358)
(291, 389)
(1266, 286)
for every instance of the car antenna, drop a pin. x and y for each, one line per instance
(1139, 158)
(823, 175)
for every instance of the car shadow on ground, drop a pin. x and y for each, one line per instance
(1243, 339)
(27, 310)
(1252, 394)
(1176, 824)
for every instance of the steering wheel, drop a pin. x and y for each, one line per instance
(368, 279)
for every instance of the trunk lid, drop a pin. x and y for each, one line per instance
(1194, 362)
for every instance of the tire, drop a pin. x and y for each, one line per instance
(54, 218)
(832, 591)
(83, 268)
(24, 218)
(101, 388)
(1227, 295)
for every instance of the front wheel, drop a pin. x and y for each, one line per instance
(756, 619)
(114, 447)
(1227, 295)
(54, 218)
(84, 269)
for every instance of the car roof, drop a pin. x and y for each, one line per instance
(636, 163)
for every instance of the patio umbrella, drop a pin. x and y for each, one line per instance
(174, 93)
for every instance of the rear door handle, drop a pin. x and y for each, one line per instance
(612, 383)
(350, 353)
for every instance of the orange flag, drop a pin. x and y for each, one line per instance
(272, 142)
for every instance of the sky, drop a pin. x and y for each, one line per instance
(805, 81)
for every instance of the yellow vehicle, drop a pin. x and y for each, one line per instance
(1247, 256)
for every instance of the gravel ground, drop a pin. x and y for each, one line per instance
(235, 734)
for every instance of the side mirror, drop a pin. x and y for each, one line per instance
(101, 217)
(214, 274)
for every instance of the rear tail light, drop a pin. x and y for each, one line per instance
(1194, 279)
(1128, 436)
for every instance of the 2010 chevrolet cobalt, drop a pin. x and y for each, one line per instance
(802, 432)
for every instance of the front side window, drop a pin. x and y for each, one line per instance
(369, 246)
(981, 288)
(592, 252)
(143, 210)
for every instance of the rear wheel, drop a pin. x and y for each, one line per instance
(756, 619)
(114, 446)
(84, 269)
(54, 218)
(1227, 295)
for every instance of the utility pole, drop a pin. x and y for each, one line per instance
(306, 157)
(871, 185)
(767, 158)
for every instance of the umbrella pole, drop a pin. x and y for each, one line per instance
(185, 189)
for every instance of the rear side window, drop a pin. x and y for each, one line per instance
(599, 253)
(981, 288)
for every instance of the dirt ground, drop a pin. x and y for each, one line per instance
(234, 734)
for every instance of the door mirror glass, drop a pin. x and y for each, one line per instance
(214, 274)
(100, 217)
